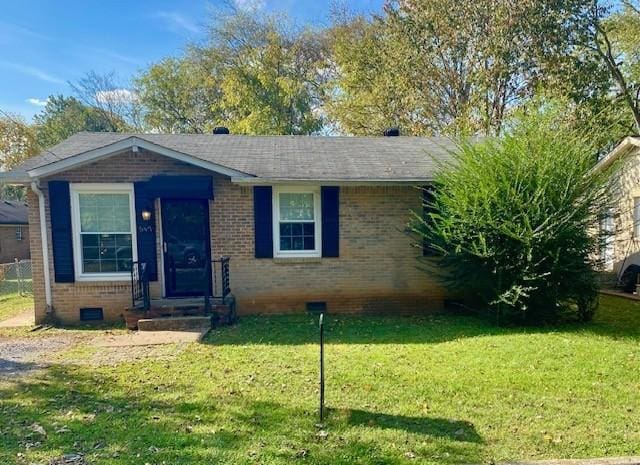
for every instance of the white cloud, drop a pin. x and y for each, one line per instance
(38, 102)
(178, 22)
(116, 96)
(250, 5)
(32, 71)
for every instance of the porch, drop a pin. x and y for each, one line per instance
(210, 300)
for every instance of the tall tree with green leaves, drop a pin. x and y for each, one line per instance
(614, 39)
(64, 116)
(450, 66)
(17, 143)
(256, 74)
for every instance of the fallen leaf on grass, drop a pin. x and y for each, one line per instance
(36, 428)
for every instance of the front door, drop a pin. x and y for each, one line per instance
(186, 246)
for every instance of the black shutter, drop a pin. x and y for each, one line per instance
(61, 233)
(427, 208)
(146, 230)
(263, 221)
(330, 197)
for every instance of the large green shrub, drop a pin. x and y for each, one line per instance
(513, 221)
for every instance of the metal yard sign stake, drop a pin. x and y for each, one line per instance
(321, 367)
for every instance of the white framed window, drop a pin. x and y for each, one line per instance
(19, 236)
(636, 217)
(296, 222)
(607, 231)
(104, 233)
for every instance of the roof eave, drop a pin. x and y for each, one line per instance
(132, 143)
(339, 181)
(627, 145)
(15, 178)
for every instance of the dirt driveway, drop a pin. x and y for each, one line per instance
(21, 355)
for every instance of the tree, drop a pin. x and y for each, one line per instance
(17, 143)
(181, 95)
(615, 40)
(450, 66)
(256, 74)
(118, 106)
(64, 116)
(512, 220)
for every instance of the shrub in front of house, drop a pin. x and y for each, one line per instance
(511, 222)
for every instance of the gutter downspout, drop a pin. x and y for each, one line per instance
(35, 187)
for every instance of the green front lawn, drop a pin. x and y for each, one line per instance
(438, 389)
(11, 302)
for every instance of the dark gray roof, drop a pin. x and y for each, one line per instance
(284, 157)
(13, 212)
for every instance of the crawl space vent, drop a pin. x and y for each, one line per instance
(91, 314)
(316, 307)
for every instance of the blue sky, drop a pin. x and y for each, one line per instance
(45, 44)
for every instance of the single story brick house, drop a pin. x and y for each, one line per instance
(281, 223)
(14, 231)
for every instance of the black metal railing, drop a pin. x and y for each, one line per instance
(216, 281)
(140, 296)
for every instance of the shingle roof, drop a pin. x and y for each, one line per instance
(12, 212)
(284, 157)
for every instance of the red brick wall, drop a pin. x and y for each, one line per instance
(10, 247)
(377, 270)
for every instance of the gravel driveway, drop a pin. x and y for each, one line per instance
(20, 356)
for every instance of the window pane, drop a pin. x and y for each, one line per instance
(104, 213)
(299, 236)
(296, 207)
(106, 253)
(309, 243)
(285, 243)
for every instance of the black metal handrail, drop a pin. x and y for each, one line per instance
(140, 296)
(216, 280)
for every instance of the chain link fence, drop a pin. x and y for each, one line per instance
(16, 278)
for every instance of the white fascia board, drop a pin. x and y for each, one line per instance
(9, 177)
(130, 143)
(627, 144)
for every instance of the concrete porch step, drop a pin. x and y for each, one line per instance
(176, 323)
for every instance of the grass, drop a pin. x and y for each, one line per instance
(11, 302)
(436, 390)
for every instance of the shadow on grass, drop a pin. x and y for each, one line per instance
(454, 430)
(117, 421)
(9, 368)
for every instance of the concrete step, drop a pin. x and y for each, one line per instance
(176, 323)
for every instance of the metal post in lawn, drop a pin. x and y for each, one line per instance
(321, 367)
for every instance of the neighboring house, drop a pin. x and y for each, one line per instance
(622, 246)
(14, 231)
(308, 222)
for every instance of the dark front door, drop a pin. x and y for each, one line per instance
(186, 246)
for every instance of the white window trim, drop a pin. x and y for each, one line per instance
(636, 218)
(100, 188)
(317, 218)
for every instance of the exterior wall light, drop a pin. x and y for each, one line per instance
(146, 214)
